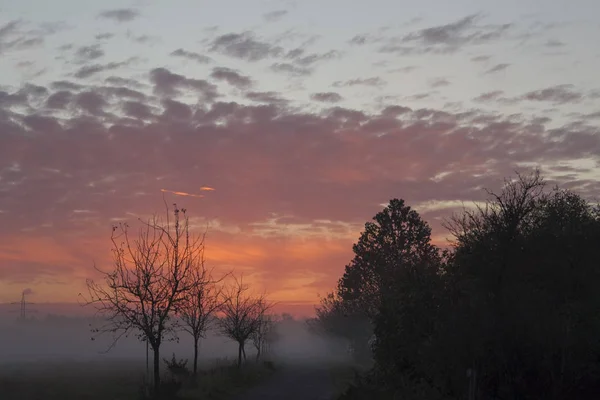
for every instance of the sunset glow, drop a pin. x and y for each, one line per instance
(281, 127)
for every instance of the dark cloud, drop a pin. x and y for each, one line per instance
(118, 81)
(291, 69)
(14, 37)
(90, 102)
(481, 58)
(88, 53)
(167, 83)
(497, 68)
(88, 70)
(274, 15)
(326, 97)
(138, 110)
(120, 15)
(245, 46)
(557, 94)
(200, 58)
(447, 38)
(554, 43)
(489, 96)
(59, 100)
(266, 97)
(142, 39)
(66, 85)
(279, 160)
(233, 77)
(439, 82)
(103, 36)
(362, 39)
(309, 59)
(375, 82)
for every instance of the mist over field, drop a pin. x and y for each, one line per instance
(59, 338)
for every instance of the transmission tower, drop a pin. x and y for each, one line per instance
(24, 310)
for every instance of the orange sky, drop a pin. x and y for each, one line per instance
(294, 263)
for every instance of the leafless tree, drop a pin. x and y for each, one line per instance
(198, 309)
(149, 280)
(264, 332)
(241, 314)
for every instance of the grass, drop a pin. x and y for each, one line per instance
(226, 380)
(118, 380)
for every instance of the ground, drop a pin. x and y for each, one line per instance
(301, 382)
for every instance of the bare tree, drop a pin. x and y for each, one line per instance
(199, 306)
(241, 314)
(264, 329)
(149, 280)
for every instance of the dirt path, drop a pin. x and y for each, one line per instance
(295, 383)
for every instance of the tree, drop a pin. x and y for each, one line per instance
(149, 280)
(393, 259)
(335, 318)
(198, 308)
(264, 332)
(397, 237)
(241, 314)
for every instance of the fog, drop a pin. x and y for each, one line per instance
(59, 338)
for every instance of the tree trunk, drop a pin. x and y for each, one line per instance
(258, 353)
(240, 345)
(195, 356)
(156, 369)
(244, 351)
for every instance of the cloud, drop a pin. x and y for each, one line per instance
(326, 97)
(266, 97)
(14, 37)
(167, 83)
(497, 68)
(439, 82)
(481, 59)
(307, 60)
(88, 70)
(88, 53)
(554, 43)
(294, 184)
(448, 38)
(559, 94)
(120, 15)
(200, 58)
(244, 46)
(104, 36)
(375, 82)
(274, 15)
(234, 78)
(291, 69)
(406, 70)
(489, 96)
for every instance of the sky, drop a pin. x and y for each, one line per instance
(282, 126)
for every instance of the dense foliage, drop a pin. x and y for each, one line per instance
(512, 311)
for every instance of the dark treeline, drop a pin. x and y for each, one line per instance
(511, 311)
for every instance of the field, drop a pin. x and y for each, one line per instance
(118, 380)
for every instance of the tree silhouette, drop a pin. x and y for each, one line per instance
(509, 312)
(149, 280)
(264, 332)
(199, 306)
(241, 314)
